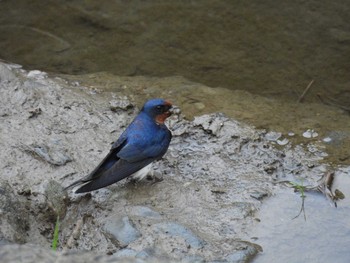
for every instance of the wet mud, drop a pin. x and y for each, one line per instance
(216, 175)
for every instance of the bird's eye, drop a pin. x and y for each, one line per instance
(159, 107)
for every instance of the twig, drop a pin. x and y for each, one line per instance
(325, 187)
(301, 98)
(64, 43)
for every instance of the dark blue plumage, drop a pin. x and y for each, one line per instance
(145, 140)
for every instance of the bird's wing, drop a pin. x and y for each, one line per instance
(124, 159)
(134, 153)
(117, 172)
(110, 159)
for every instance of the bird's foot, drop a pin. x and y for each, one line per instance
(154, 177)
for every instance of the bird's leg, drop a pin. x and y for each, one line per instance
(154, 176)
(148, 173)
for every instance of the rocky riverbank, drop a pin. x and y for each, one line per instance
(216, 174)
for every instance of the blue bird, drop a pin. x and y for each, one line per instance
(145, 140)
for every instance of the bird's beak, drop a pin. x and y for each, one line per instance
(172, 109)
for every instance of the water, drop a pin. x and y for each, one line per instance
(324, 236)
(267, 48)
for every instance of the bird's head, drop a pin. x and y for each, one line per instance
(158, 109)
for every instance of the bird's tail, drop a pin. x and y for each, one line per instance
(73, 184)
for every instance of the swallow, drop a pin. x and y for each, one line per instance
(145, 140)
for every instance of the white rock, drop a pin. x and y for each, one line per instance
(283, 141)
(327, 139)
(310, 134)
(36, 74)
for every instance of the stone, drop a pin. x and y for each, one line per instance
(121, 231)
(177, 230)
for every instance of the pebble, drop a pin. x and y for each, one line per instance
(273, 136)
(310, 134)
(36, 74)
(283, 141)
(327, 139)
(121, 231)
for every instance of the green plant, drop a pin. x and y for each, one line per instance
(55, 234)
(301, 189)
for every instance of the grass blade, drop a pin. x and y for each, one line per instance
(55, 234)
